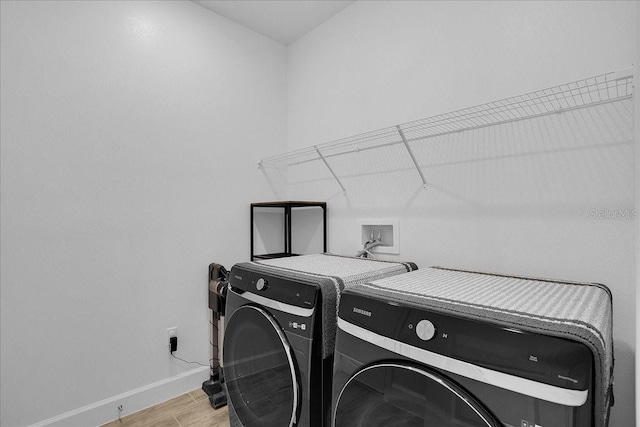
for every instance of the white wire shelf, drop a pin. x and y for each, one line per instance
(592, 91)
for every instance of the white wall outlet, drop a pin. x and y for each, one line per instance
(385, 230)
(171, 332)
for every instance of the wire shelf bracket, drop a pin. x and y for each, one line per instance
(413, 157)
(330, 170)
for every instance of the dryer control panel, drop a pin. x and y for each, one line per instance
(499, 347)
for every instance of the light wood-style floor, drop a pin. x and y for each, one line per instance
(188, 410)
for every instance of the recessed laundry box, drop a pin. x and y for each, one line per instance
(280, 332)
(439, 347)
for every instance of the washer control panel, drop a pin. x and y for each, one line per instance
(425, 330)
(299, 293)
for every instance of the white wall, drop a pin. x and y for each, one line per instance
(515, 198)
(130, 135)
(130, 131)
(636, 106)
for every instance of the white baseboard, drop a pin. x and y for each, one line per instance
(132, 401)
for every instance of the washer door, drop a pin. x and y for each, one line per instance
(389, 394)
(259, 370)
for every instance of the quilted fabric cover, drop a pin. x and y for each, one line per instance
(578, 311)
(333, 274)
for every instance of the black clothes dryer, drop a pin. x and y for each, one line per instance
(280, 334)
(447, 348)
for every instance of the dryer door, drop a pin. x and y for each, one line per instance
(389, 394)
(259, 370)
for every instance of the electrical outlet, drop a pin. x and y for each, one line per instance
(171, 332)
(384, 230)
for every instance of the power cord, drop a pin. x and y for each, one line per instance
(186, 361)
(173, 346)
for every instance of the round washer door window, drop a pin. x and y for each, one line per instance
(259, 370)
(397, 395)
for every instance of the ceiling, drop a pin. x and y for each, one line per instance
(284, 21)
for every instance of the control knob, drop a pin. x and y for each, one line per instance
(261, 284)
(425, 330)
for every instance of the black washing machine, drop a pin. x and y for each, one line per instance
(280, 334)
(439, 347)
